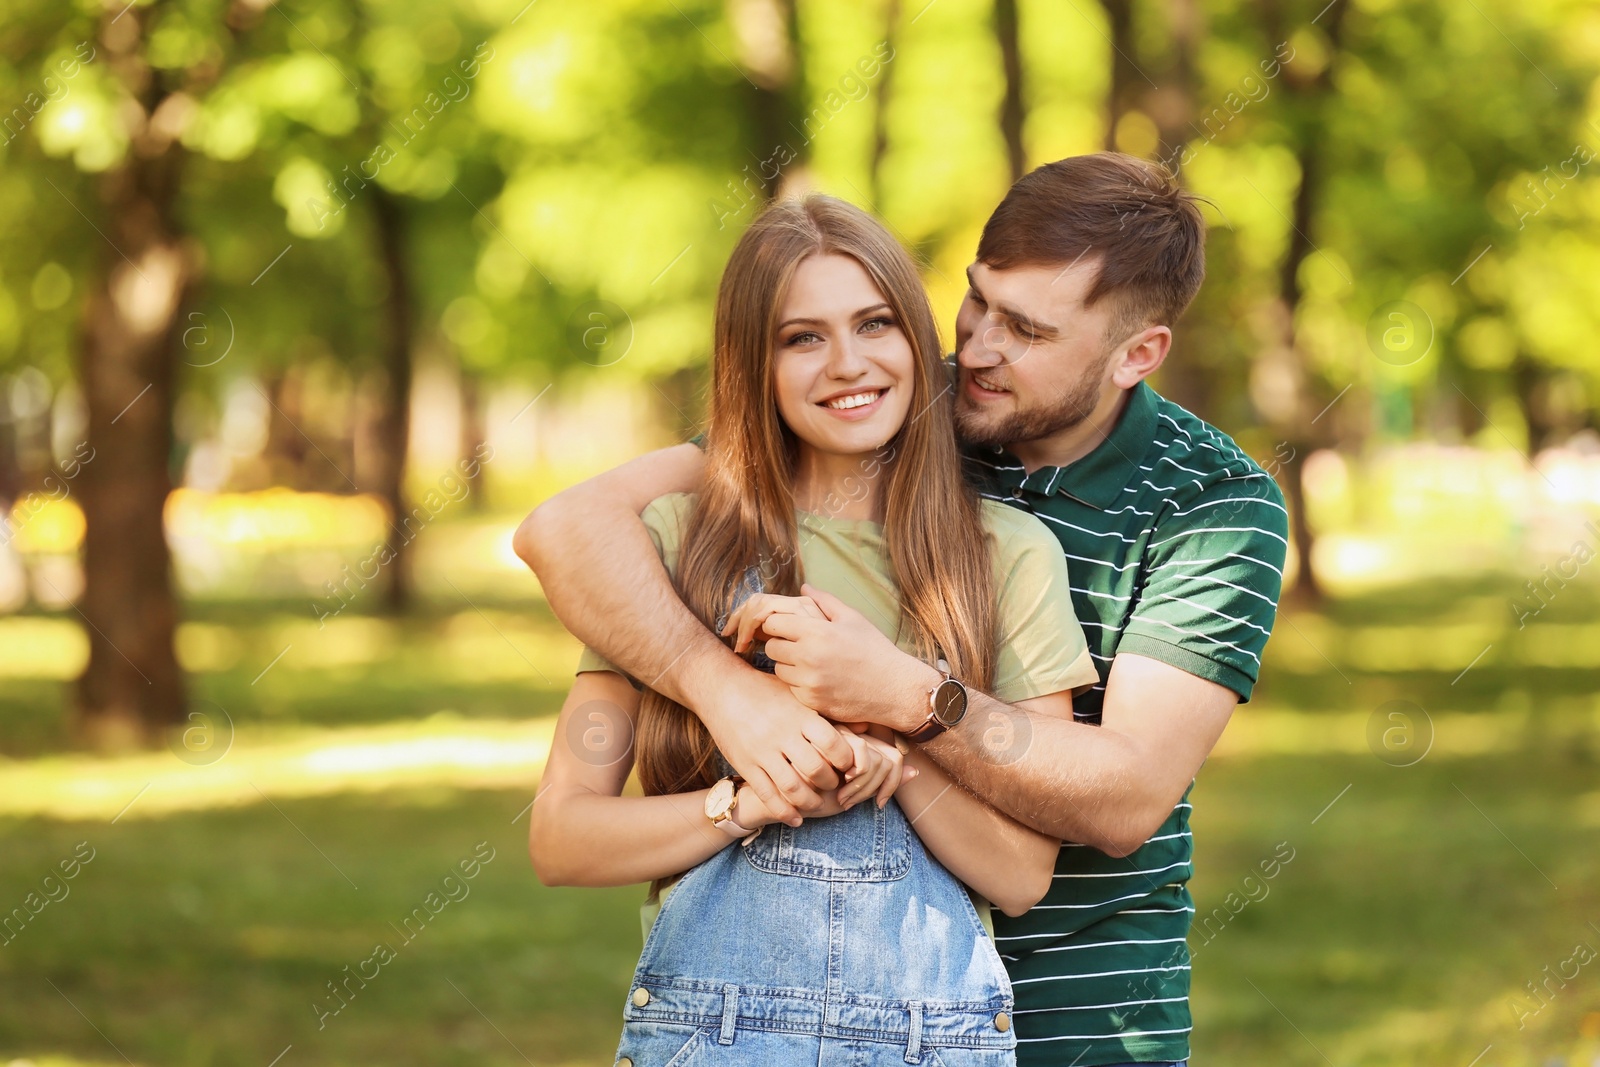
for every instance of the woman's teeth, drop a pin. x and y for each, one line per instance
(854, 400)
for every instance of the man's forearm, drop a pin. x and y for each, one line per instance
(605, 582)
(1069, 780)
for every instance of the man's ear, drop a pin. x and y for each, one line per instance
(1141, 356)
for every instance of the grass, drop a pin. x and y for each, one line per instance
(1420, 901)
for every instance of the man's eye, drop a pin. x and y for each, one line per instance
(1024, 334)
(972, 295)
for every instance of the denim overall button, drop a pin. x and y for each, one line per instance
(641, 997)
(1002, 1022)
(624, 1062)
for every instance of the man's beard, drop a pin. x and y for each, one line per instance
(975, 426)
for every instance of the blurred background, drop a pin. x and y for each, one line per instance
(303, 304)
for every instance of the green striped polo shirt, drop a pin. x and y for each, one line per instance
(1175, 542)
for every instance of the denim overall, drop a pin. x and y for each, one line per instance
(838, 943)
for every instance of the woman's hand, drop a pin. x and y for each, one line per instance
(746, 620)
(879, 770)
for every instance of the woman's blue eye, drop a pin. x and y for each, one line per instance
(802, 338)
(881, 322)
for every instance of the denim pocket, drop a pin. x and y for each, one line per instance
(864, 844)
(652, 1044)
(951, 1056)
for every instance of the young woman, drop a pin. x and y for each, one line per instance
(829, 459)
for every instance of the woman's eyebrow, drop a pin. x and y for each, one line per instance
(863, 313)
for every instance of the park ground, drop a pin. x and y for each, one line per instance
(1432, 769)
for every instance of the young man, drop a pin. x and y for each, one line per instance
(1175, 540)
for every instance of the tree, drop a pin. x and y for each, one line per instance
(1011, 102)
(132, 683)
(394, 423)
(771, 61)
(1161, 86)
(880, 106)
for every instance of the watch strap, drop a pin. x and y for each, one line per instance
(928, 730)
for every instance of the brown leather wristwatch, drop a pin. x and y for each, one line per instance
(947, 706)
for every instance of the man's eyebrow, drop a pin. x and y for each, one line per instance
(863, 313)
(1039, 329)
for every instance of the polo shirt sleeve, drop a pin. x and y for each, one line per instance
(1213, 572)
(664, 517)
(1041, 646)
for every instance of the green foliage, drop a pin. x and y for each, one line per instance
(550, 156)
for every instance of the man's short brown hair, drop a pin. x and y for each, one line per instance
(1145, 229)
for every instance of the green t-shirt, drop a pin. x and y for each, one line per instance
(1041, 647)
(1176, 540)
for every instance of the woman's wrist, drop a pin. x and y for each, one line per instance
(748, 811)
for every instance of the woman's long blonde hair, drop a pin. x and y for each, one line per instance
(745, 515)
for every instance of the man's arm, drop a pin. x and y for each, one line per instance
(1109, 786)
(605, 582)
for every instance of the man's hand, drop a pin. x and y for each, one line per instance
(880, 771)
(788, 753)
(840, 663)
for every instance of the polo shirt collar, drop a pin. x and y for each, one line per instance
(1098, 478)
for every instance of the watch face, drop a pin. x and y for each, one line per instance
(720, 799)
(950, 701)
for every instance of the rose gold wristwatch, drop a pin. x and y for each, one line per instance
(720, 803)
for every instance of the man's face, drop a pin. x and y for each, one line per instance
(1034, 361)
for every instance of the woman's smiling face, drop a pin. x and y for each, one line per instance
(843, 366)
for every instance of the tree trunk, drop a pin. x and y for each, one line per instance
(1168, 99)
(1300, 430)
(1173, 105)
(880, 104)
(10, 467)
(1123, 90)
(132, 686)
(768, 36)
(394, 423)
(474, 434)
(1011, 104)
(1532, 385)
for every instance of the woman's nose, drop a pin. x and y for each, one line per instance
(845, 360)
